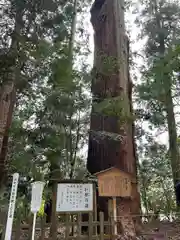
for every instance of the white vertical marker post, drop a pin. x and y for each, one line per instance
(36, 200)
(11, 209)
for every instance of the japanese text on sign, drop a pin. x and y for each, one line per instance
(74, 197)
(13, 195)
(11, 206)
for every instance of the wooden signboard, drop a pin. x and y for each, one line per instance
(114, 183)
(74, 197)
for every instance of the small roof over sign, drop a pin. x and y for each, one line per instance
(111, 169)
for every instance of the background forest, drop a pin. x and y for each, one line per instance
(46, 52)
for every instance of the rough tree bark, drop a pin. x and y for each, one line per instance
(8, 97)
(111, 45)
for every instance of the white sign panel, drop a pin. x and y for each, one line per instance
(12, 206)
(36, 196)
(74, 197)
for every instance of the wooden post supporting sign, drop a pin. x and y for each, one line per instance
(115, 215)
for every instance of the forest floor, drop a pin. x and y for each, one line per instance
(171, 230)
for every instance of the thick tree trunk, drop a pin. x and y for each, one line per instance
(111, 46)
(7, 100)
(8, 97)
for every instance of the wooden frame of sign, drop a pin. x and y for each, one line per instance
(74, 182)
(82, 199)
(113, 183)
(54, 201)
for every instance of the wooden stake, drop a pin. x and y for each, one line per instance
(53, 228)
(95, 207)
(90, 226)
(115, 215)
(101, 226)
(110, 216)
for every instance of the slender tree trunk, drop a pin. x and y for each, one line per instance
(144, 197)
(71, 50)
(169, 107)
(173, 146)
(75, 149)
(168, 203)
(172, 131)
(70, 69)
(72, 34)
